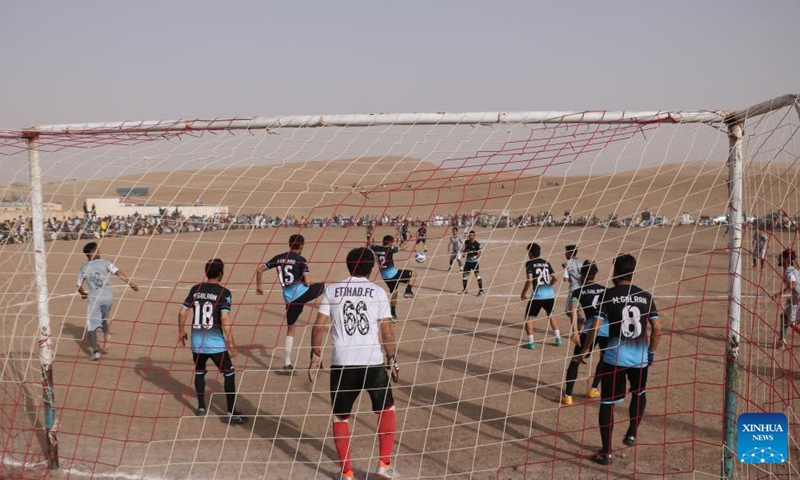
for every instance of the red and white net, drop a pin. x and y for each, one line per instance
(470, 402)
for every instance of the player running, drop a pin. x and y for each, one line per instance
(791, 283)
(540, 275)
(96, 272)
(212, 335)
(359, 312)
(294, 276)
(391, 275)
(472, 250)
(627, 309)
(405, 235)
(586, 298)
(422, 237)
(456, 245)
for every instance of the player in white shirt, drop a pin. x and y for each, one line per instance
(359, 313)
(572, 273)
(96, 272)
(791, 282)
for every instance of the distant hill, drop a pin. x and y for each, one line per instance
(397, 185)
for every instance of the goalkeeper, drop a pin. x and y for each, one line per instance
(359, 312)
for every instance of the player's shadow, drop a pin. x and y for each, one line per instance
(163, 379)
(286, 436)
(460, 366)
(255, 353)
(79, 334)
(496, 419)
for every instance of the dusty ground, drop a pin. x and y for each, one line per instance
(471, 403)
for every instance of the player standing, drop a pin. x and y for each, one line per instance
(96, 272)
(212, 335)
(627, 309)
(359, 312)
(572, 274)
(422, 237)
(456, 245)
(586, 298)
(370, 233)
(472, 256)
(791, 284)
(295, 279)
(540, 275)
(391, 275)
(759, 247)
(405, 235)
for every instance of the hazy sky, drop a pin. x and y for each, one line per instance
(83, 61)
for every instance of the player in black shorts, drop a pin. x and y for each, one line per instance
(370, 233)
(295, 279)
(358, 311)
(628, 310)
(472, 256)
(405, 235)
(212, 335)
(422, 237)
(585, 298)
(393, 277)
(540, 276)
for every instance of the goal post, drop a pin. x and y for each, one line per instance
(262, 178)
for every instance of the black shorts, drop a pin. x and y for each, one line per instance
(402, 276)
(472, 267)
(347, 383)
(537, 305)
(602, 342)
(294, 309)
(614, 379)
(420, 240)
(222, 360)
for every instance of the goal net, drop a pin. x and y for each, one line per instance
(674, 189)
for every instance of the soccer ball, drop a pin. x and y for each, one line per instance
(420, 257)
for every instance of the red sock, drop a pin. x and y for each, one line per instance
(387, 424)
(341, 438)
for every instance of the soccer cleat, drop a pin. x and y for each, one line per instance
(394, 319)
(629, 440)
(288, 370)
(594, 393)
(566, 400)
(480, 292)
(529, 345)
(559, 342)
(464, 292)
(348, 474)
(236, 418)
(95, 356)
(601, 458)
(201, 412)
(408, 295)
(386, 471)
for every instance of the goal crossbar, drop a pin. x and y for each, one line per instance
(441, 118)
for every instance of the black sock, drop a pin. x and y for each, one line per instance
(230, 391)
(93, 340)
(200, 388)
(638, 404)
(464, 281)
(597, 377)
(394, 312)
(480, 283)
(572, 374)
(606, 420)
(408, 289)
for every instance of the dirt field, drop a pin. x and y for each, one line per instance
(471, 403)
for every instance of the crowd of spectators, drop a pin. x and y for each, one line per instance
(90, 226)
